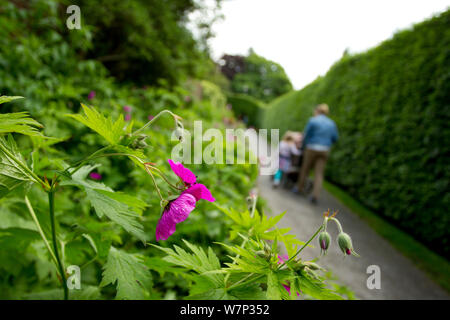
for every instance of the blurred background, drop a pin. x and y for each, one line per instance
(383, 67)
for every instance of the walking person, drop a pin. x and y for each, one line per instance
(288, 148)
(320, 134)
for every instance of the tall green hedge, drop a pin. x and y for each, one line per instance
(246, 106)
(392, 108)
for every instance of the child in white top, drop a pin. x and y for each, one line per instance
(288, 148)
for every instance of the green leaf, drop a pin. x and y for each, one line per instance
(214, 294)
(13, 170)
(121, 208)
(273, 286)
(129, 274)
(111, 131)
(116, 211)
(198, 261)
(315, 288)
(19, 122)
(4, 99)
(161, 266)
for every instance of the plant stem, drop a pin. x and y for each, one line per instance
(154, 118)
(303, 247)
(81, 162)
(162, 175)
(41, 232)
(240, 284)
(155, 184)
(337, 223)
(51, 203)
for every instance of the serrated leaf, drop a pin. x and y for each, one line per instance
(199, 261)
(4, 99)
(111, 130)
(213, 294)
(161, 266)
(116, 211)
(273, 286)
(129, 274)
(13, 169)
(19, 122)
(315, 288)
(121, 208)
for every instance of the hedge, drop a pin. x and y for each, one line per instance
(392, 108)
(244, 105)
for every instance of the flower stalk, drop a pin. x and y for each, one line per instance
(51, 203)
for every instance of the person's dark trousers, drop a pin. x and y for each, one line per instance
(317, 160)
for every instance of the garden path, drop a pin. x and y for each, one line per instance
(400, 278)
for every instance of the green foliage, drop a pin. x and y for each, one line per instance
(145, 41)
(246, 106)
(391, 108)
(14, 172)
(89, 224)
(260, 78)
(111, 130)
(131, 276)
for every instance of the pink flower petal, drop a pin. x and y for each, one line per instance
(176, 211)
(165, 228)
(184, 173)
(91, 95)
(179, 209)
(200, 191)
(283, 258)
(95, 176)
(127, 108)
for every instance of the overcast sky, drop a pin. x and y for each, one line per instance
(307, 36)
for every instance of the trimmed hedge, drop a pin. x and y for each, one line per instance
(392, 108)
(244, 105)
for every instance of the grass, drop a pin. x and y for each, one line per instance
(437, 267)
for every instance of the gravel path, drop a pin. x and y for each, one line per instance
(400, 278)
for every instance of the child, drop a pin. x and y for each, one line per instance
(288, 148)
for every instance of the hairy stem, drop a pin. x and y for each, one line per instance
(337, 223)
(303, 247)
(41, 232)
(154, 119)
(51, 203)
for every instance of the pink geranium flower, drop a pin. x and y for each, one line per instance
(127, 117)
(183, 173)
(178, 210)
(127, 108)
(150, 117)
(91, 95)
(281, 259)
(95, 176)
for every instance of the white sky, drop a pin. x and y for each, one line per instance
(307, 36)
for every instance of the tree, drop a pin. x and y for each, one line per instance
(256, 76)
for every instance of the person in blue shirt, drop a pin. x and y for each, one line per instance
(319, 135)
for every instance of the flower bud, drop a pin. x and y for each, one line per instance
(139, 142)
(345, 243)
(324, 241)
(312, 265)
(179, 133)
(179, 130)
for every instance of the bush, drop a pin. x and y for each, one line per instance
(392, 108)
